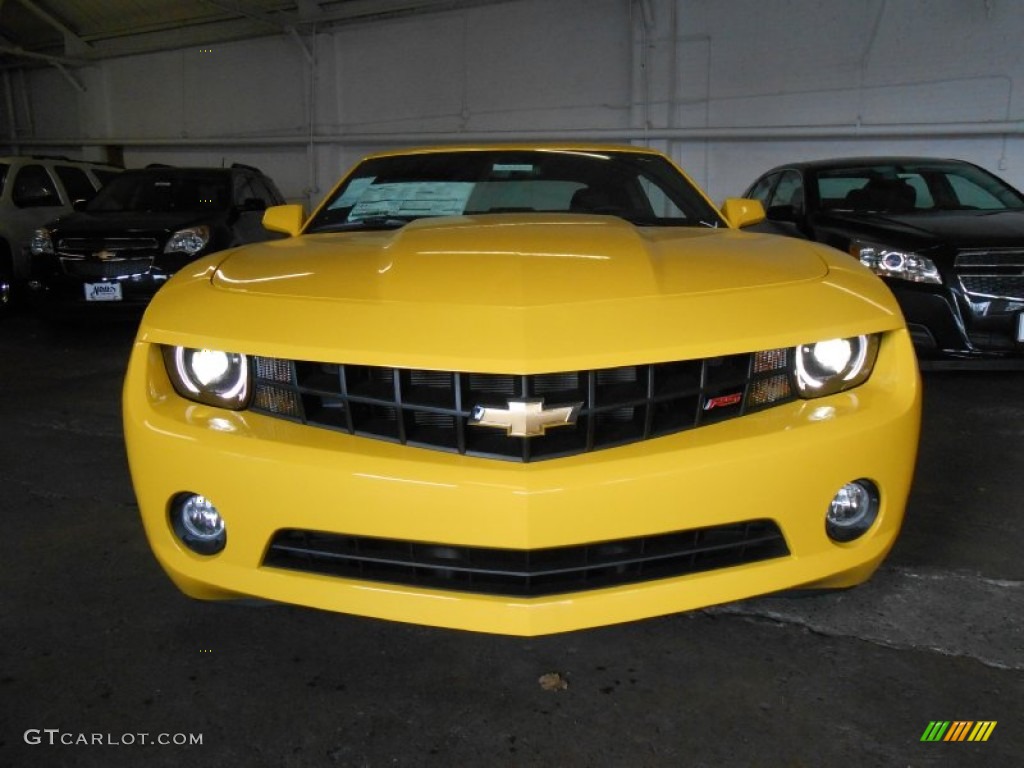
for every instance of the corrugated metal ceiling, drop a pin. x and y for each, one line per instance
(73, 32)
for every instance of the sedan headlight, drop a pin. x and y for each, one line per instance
(209, 376)
(827, 367)
(41, 244)
(190, 240)
(893, 262)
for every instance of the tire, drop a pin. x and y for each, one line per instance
(6, 281)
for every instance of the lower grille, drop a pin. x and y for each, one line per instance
(992, 274)
(527, 573)
(1009, 287)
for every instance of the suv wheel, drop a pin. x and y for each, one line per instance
(6, 280)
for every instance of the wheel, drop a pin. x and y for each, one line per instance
(6, 288)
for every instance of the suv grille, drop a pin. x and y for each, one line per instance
(109, 268)
(433, 409)
(122, 256)
(527, 573)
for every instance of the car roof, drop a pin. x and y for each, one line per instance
(173, 170)
(581, 147)
(55, 159)
(862, 161)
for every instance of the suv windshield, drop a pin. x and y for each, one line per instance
(387, 192)
(163, 191)
(915, 186)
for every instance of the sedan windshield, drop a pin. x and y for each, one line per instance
(915, 186)
(163, 192)
(387, 192)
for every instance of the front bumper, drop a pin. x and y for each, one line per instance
(947, 324)
(264, 474)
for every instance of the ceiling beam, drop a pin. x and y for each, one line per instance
(72, 42)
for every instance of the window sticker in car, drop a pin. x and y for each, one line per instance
(417, 199)
(503, 168)
(353, 192)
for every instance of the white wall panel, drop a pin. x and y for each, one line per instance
(679, 75)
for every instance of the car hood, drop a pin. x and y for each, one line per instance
(957, 229)
(121, 223)
(515, 293)
(498, 262)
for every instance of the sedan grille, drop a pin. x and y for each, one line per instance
(992, 274)
(531, 572)
(1009, 287)
(435, 409)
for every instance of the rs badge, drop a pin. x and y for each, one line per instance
(525, 418)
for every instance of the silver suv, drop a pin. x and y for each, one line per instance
(34, 191)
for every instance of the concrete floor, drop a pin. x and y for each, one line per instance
(95, 640)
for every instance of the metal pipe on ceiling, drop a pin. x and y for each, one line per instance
(751, 133)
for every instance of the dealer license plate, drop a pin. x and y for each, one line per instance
(102, 291)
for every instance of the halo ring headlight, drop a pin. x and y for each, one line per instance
(209, 376)
(830, 366)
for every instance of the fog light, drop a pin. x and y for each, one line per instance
(198, 524)
(852, 511)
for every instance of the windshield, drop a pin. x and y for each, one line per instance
(390, 191)
(163, 192)
(915, 186)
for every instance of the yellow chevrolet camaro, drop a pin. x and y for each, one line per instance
(520, 389)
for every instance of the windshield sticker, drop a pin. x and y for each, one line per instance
(353, 192)
(426, 198)
(513, 168)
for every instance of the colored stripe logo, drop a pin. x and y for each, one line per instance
(959, 730)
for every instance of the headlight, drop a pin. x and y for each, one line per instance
(892, 262)
(41, 244)
(190, 241)
(209, 376)
(827, 367)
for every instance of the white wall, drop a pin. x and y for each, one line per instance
(676, 73)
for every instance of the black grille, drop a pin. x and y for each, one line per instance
(994, 286)
(527, 573)
(122, 246)
(432, 409)
(116, 267)
(1001, 257)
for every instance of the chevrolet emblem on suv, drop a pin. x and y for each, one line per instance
(525, 418)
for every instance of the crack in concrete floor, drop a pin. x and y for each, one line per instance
(949, 612)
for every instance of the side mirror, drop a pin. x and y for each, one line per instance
(284, 218)
(742, 212)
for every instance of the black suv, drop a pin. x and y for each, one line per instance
(142, 227)
(36, 189)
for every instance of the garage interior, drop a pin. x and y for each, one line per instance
(97, 640)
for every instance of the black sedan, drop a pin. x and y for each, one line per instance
(946, 236)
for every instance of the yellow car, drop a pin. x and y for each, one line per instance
(523, 390)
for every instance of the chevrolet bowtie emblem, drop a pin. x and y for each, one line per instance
(525, 418)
